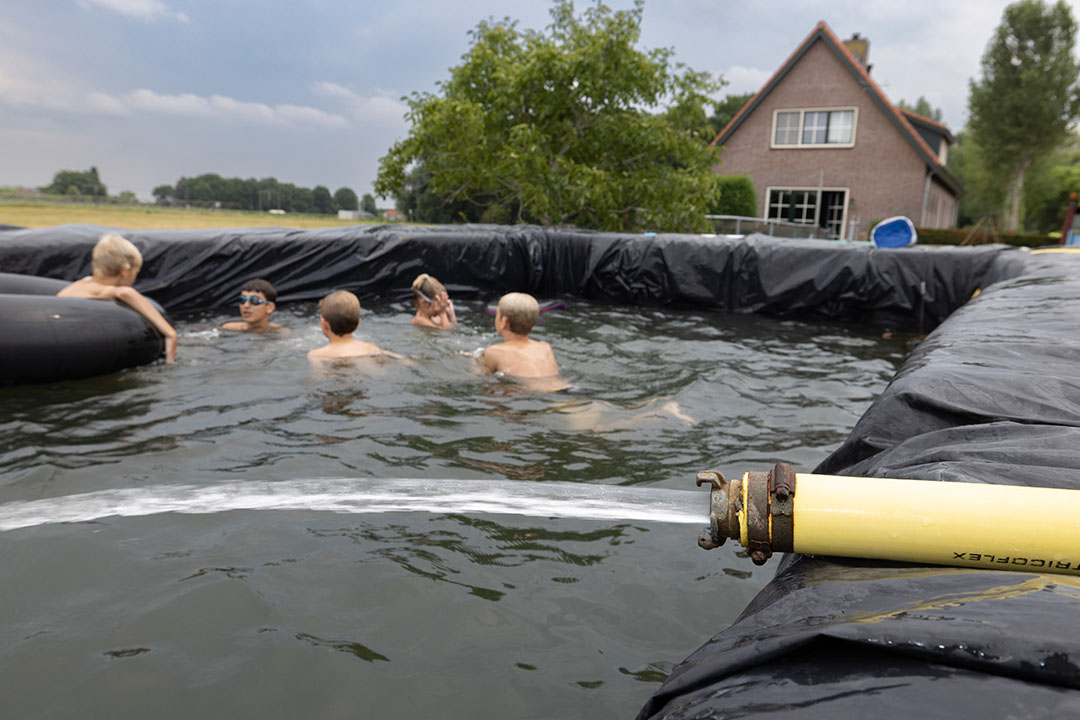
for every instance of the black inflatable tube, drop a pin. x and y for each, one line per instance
(44, 338)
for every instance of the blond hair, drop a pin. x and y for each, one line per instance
(425, 287)
(341, 310)
(114, 254)
(520, 310)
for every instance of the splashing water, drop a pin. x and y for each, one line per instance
(367, 496)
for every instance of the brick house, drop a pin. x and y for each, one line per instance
(824, 146)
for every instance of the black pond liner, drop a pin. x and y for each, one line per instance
(991, 396)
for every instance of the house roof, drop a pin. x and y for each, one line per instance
(932, 125)
(900, 120)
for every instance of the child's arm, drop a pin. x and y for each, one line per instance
(450, 312)
(135, 300)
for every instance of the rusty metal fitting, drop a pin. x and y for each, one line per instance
(725, 501)
(769, 511)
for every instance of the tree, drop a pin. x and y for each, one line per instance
(726, 110)
(164, 194)
(1028, 96)
(1049, 181)
(558, 128)
(984, 196)
(367, 204)
(76, 182)
(346, 199)
(923, 107)
(322, 200)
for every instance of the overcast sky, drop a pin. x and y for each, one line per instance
(310, 92)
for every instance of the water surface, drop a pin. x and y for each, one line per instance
(239, 535)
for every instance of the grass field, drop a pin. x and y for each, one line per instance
(149, 217)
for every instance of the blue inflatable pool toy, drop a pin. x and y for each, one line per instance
(894, 232)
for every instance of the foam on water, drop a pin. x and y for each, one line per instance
(369, 495)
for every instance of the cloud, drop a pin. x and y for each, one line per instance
(743, 79)
(148, 10)
(379, 107)
(220, 107)
(24, 94)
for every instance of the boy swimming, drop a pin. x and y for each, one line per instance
(339, 316)
(518, 355)
(115, 264)
(257, 303)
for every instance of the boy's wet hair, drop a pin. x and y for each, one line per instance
(341, 310)
(520, 310)
(114, 254)
(261, 286)
(426, 287)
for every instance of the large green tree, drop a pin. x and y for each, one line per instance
(571, 126)
(1028, 95)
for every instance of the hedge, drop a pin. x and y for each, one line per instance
(957, 236)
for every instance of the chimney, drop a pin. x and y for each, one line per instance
(860, 48)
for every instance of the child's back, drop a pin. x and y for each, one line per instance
(519, 355)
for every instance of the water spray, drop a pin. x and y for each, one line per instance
(1000, 527)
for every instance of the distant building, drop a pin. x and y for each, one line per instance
(348, 214)
(825, 147)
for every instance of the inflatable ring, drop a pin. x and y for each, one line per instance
(44, 338)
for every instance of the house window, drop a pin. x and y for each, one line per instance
(823, 207)
(813, 128)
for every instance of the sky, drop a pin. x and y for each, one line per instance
(149, 91)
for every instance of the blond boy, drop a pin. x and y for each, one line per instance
(339, 315)
(115, 264)
(519, 355)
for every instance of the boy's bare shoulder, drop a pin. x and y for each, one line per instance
(87, 288)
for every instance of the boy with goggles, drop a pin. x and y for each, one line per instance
(256, 304)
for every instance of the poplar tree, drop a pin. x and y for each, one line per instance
(1028, 96)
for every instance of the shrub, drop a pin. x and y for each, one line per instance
(737, 196)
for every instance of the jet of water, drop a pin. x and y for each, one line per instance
(369, 496)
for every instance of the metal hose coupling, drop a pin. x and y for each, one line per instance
(758, 510)
(927, 522)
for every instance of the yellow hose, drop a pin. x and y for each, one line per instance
(1003, 527)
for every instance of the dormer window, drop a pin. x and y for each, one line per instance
(832, 127)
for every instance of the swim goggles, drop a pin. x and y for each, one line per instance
(253, 299)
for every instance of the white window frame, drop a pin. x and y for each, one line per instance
(818, 209)
(800, 145)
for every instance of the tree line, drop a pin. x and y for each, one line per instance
(212, 190)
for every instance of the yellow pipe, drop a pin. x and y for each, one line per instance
(1004, 527)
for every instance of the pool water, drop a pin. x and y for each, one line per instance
(207, 538)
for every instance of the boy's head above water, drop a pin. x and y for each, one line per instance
(341, 311)
(115, 254)
(520, 312)
(257, 303)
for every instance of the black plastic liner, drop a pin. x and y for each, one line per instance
(196, 269)
(991, 396)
